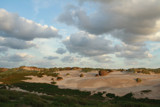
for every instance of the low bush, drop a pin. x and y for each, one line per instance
(67, 74)
(146, 91)
(59, 78)
(86, 69)
(97, 75)
(53, 82)
(138, 80)
(110, 95)
(81, 75)
(103, 72)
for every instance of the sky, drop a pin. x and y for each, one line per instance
(80, 33)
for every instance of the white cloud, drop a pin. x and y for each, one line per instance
(70, 59)
(133, 20)
(12, 25)
(3, 49)
(18, 57)
(86, 44)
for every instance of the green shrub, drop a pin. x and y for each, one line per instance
(110, 95)
(86, 69)
(138, 80)
(146, 91)
(39, 75)
(97, 75)
(53, 82)
(4, 98)
(81, 75)
(67, 74)
(59, 78)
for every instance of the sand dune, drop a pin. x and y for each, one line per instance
(119, 83)
(35, 79)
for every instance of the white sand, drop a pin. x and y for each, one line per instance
(119, 83)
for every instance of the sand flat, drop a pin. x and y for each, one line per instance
(119, 83)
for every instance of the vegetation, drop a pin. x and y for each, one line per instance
(146, 91)
(81, 75)
(96, 75)
(144, 70)
(66, 97)
(91, 69)
(15, 75)
(67, 74)
(53, 82)
(86, 69)
(138, 80)
(59, 78)
(103, 72)
(59, 97)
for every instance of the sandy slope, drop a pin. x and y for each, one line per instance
(35, 79)
(119, 83)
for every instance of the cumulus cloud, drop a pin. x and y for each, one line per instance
(51, 57)
(60, 51)
(137, 51)
(3, 49)
(16, 43)
(70, 59)
(131, 22)
(132, 19)
(103, 59)
(100, 49)
(19, 57)
(86, 44)
(12, 25)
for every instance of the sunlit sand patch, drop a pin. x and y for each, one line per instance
(119, 83)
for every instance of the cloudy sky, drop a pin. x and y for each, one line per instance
(84, 33)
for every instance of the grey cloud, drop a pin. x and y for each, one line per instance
(12, 25)
(16, 43)
(42, 63)
(3, 49)
(8, 64)
(134, 18)
(15, 57)
(51, 57)
(88, 45)
(70, 59)
(99, 49)
(138, 51)
(60, 51)
(102, 59)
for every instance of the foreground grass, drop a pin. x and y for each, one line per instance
(16, 75)
(66, 98)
